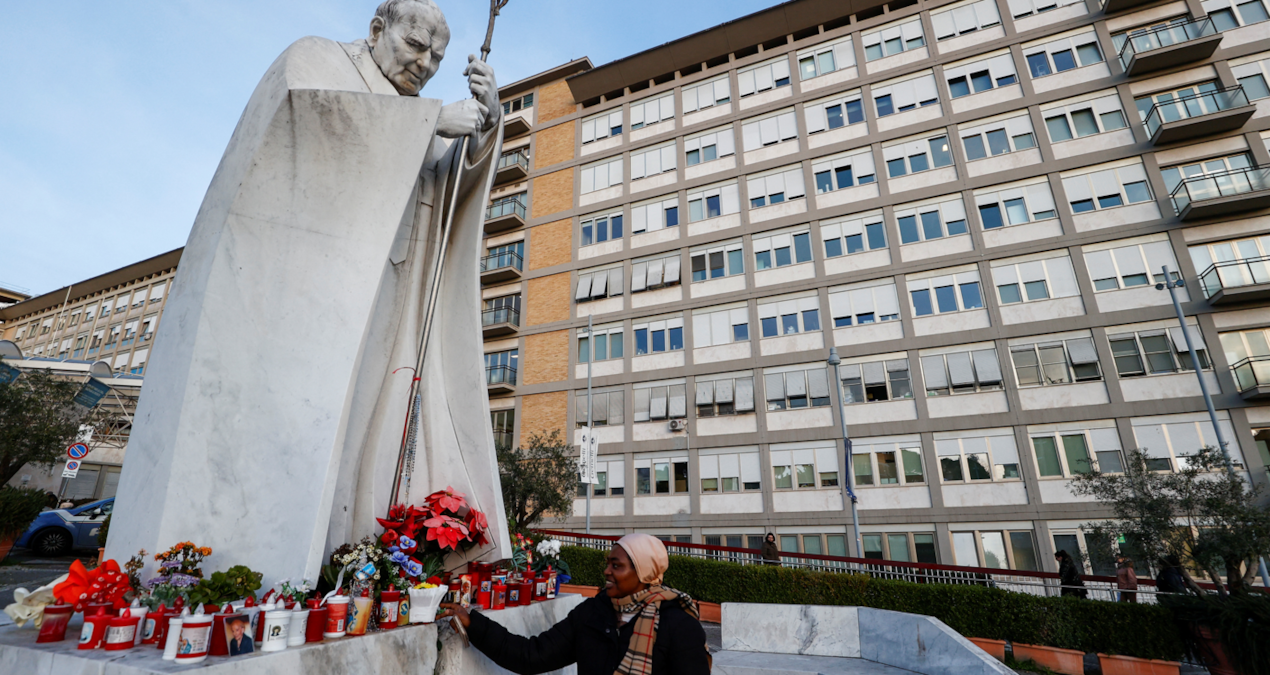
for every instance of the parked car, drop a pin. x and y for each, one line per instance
(60, 531)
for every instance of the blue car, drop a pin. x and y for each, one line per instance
(60, 531)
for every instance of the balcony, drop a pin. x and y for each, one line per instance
(500, 321)
(504, 216)
(516, 124)
(500, 379)
(512, 166)
(1220, 194)
(1234, 281)
(1252, 378)
(1113, 6)
(1202, 114)
(1169, 46)
(505, 266)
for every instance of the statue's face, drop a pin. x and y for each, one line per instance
(409, 50)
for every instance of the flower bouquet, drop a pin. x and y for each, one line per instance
(425, 599)
(105, 584)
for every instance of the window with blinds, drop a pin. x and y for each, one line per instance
(1062, 454)
(729, 472)
(602, 175)
(981, 455)
(1015, 204)
(825, 58)
(897, 96)
(708, 94)
(848, 169)
(721, 325)
(1060, 55)
(790, 247)
(718, 261)
(863, 304)
(596, 284)
(596, 229)
(658, 335)
(648, 112)
(602, 126)
(655, 214)
(875, 381)
(709, 146)
(1033, 279)
(961, 372)
(999, 136)
(660, 401)
(607, 408)
(601, 344)
(657, 272)
(964, 18)
(1024, 8)
(610, 479)
(769, 129)
(1058, 361)
(931, 219)
(779, 317)
(839, 110)
(653, 161)
(765, 76)
(946, 293)
(916, 154)
(984, 73)
(1106, 187)
(661, 475)
(796, 389)
(1231, 14)
(776, 186)
(805, 468)
(883, 463)
(853, 235)
(713, 201)
(1129, 262)
(1156, 351)
(1090, 115)
(731, 394)
(893, 38)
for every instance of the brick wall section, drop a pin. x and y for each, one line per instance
(550, 244)
(552, 193)
(546, 357)
(555, 100)
(544, 413)
(547, 299)
(553, 145)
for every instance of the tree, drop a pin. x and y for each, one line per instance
(539, 480)
(38, 420)
(1208, 517)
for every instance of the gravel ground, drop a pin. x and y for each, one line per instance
(21, 569)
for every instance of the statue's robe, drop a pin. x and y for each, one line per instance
(270, 420)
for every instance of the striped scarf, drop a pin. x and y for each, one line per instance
(646, 605)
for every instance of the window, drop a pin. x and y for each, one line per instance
(706, 94)
(969, 456)
(121, 305)
(503, 206)
(1000, 550)
(875, 381)
(660, 400)
(503, 309)
(835, 112)
(662, 335)
(1015, 205)
(851, 168)
(984, 73)
(1255, 271)
(113, 339)
(1129, 263)
(1253, 73)
(522, 103)
(1055, 362)
(1246, 352)
(1155, 352)
(896, 546)
(595, 229)
(709, 146)
(654, 215)
(730, 472)
(776, 186)
(887, 463)
(765, 76)
(717, 262)
(649, 112)
(901, 96)
(138, 299)
(932, 220)
(601, 175)
(893, 39)
(914, 156)
(998, 138)
(965, 18)
(789, 316)
(856, 235)
(602, 126)
(961, 372)
(825, 58)
(501, 367)
(596, 284)
(863, 304)
(1231, 14)
(720, 325)
(1085, 118)
(1035, 280)
(805, 469)
(607, 408)
(796, 389)
(1063, 55)
(604, 343)
(662, 475)
(724, 395)
(712, 201)
(1179, 104)
(156, 293)
(653, 161)
(652, 273)
(946, 293)
(1023, 8)
(1107, 188)
(129, 333)
(503, 423)
(610, 479)
(781, 249)
(1169, 441)
(1174, 175)
(1068, 453)
(769, 130)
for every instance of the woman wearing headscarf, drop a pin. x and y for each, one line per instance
(636, 626)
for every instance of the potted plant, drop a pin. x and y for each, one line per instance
(549, 556)
(1069, 661)
(236, 583)
(18, 507)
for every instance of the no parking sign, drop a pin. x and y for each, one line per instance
(72, 469)
(77, 451)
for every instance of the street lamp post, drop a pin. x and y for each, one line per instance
(846, 445)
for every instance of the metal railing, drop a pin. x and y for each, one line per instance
(497, 315)
(507, 208)
(1194, 105)
(1019, 581)
(514, 158)
(1252, 372)
(500, 375)
(1222, 184)
(500, 260)
(1165, 36)
(1235, 273)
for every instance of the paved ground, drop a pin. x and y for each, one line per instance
(22, 569)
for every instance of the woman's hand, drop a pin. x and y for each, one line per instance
(453, 609)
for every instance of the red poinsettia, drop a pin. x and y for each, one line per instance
(448, 499)
(104, 584)
(478, 525)
(402, 521)
(447, 532)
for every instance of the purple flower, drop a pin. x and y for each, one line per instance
(169, 564)
(183, 580)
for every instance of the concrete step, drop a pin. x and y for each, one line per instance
(759, 663)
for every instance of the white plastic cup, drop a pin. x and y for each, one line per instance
(277, 622)
(299, 626)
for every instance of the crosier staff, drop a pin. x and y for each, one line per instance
(409, 437)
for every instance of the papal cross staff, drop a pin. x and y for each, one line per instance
(409, 438)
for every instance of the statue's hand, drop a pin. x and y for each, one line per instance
(480, 80)
(461, 119)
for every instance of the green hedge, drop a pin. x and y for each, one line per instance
(1144, 631)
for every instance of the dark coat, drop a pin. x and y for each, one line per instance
(591, 638)
(1069, 576)
(770, 551)
(1170, 580)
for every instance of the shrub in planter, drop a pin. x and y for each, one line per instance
(18, 507)
(1239, 624)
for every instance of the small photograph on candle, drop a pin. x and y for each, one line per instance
(238, 634)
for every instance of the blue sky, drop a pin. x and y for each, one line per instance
(115, 114)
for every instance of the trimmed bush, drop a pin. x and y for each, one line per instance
(18, 507)
(1144, 631)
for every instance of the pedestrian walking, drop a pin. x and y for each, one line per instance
(1126, 579)
(771, 552)
(1069, 576)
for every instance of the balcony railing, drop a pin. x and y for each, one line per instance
(1217, 185)
(507, 208)
(500, 315)
(1138, 44)
(1193, 106)
(1234, 274)
(514, 158)
(499, 261)
(500, 375)
(1251, 373)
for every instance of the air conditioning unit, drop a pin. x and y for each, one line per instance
(678, 425)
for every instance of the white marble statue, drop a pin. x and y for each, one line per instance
(271, 417)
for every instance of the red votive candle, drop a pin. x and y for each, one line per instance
(53, 629)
